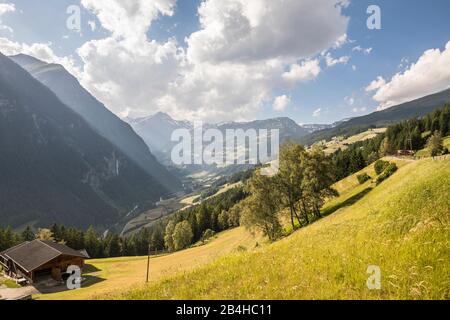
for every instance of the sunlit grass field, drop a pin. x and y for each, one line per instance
(401, 225)
(108, 276)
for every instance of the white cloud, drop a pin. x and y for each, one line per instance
(6, 28)
(243, 51)
(220, 92)
(376, 84)
(41, 51)
(430, 74)
(341, 41)
(354, 68)
(317, 112)
(7, 7)
(133, 75)
(332, 62)
(128, 19)
(230, 66)
(350, 101)
(249, 30)
(307, 70)
(280, 103)
(363, 50)
(362, 109)
(125, 70)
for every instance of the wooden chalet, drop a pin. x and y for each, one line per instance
(36, 259)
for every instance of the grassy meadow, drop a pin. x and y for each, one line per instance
(106, 277)
(401, 225)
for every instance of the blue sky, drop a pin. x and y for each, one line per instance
(409, 29)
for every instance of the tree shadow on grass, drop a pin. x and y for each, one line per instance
(350, 201)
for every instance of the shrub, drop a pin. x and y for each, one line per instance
(362, 178)
(208, 234)
(380, 165)
(389, 171)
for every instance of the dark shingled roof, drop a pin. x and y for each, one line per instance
(33, 254)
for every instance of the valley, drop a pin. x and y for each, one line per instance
(219, 159)
(359, 228)
(327, 211)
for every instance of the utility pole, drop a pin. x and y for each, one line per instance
(410, 136)
(148, 262)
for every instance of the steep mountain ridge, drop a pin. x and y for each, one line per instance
(118, 132)
(54, 167)
(404, 111)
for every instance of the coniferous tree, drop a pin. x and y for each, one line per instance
(27, 234)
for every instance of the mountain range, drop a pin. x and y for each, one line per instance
(383, 118)
(57, 167)
(156, 130)
(72, 94)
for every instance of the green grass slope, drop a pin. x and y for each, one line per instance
(426, 152)
(402, 226)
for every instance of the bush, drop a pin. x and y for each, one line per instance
(380, 165)
(208, 234)
(389, 171)
(362, 178)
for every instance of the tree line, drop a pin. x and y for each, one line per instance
(414, 134)
(175, 232)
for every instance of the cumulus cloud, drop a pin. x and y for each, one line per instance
(7, 7)
(41, 51)
(129, 75)
(305, 71)
(128, 19)
(317, 112)
(125, 70)
(243, 30)
(231, 64)
(363, 50)
(330, 61)
(376, 84)
(430, 74)
(280, 103)
(218, 92)
(341, 41)
(350, 100)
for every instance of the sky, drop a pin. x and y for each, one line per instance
(239, 60)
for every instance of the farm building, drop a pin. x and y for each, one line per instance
(36, 259)
(405, 152)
